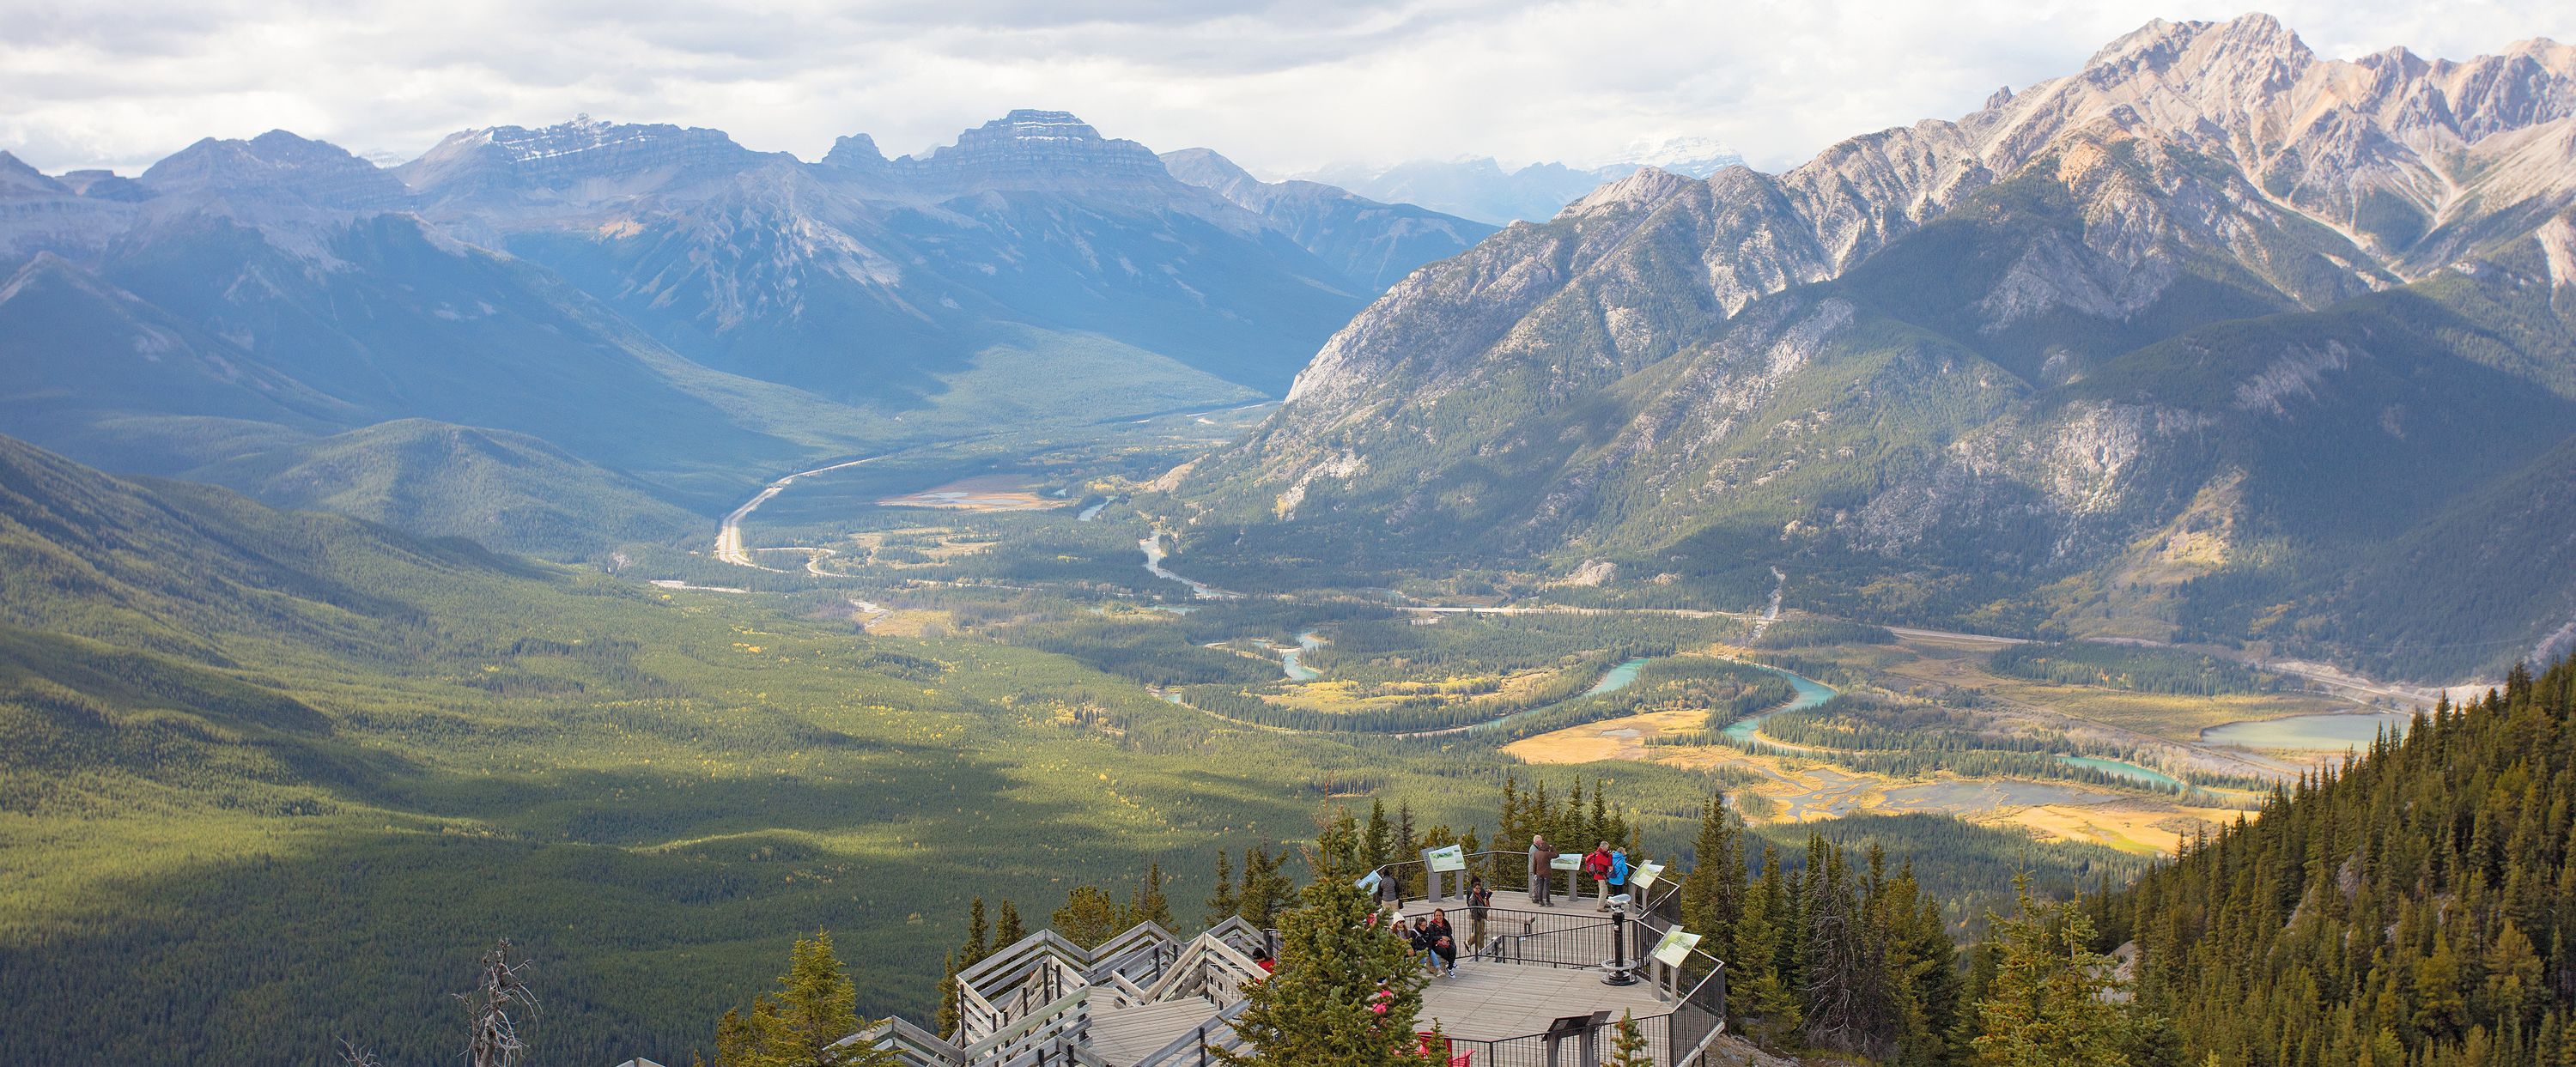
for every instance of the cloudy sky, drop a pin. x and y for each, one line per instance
(1280, 86)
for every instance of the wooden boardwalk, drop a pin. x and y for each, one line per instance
(1127, 1035)
(1492, 1001)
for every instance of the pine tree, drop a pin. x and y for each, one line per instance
(976, 947)
(734, 1044)
(1600, 828)
(798, 1025)
(1712, 897)
(1345, 993)
(1148, 904)
(1089, 917)
(1758, 993)
(1379, 844)
(951, 1009)
(2048, 1004)
(1008, 931)
(1265, 889)
(1222, 902)
(1628, 1046)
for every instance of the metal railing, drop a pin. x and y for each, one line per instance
(1695, 990)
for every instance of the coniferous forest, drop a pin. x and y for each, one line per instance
(2417, 906)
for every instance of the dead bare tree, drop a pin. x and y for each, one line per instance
(353, 1056)
(498, 997)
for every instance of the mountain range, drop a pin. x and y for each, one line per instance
(2213, 340)
(712, 313)
(1483, 189)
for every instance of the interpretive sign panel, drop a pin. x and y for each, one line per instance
(1643, 876)
(1566, 863)
(1446, 858)
(1675, 947)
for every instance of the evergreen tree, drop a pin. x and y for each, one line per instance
(1222, 902)
(1151, 904)
(1712, 894)
(2050, 1000)
(1599, 828)
(800, 1023)
(1007, 930)
(1408, 847)
(1345, 993)
(951, 1008)
(976, 948)
(1379, 844)
(1758, 993)
(1089, 917)
(1628, 1046)
(1265, 889)
(734, 1044)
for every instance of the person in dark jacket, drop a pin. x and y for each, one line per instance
(1479, 897)
(1541, 856)
(1444, 954)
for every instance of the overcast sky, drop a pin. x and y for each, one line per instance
(1280, 87)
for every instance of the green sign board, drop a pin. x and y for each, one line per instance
(1675, 947)
(1643, 875)
(1566, 863)
(1446, 858)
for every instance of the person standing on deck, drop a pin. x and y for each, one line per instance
(1619, 875)
(1479, 897)
(1596, 866)
(1542, 855)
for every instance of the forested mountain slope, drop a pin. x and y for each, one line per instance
(272, 779)
(1988, 372)
(2417, 907)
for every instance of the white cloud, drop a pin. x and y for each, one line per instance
(1280, 86)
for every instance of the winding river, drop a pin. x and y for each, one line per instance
(1292, 660)
(1810, 693)
(1154, 556)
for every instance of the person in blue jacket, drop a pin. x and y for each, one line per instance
(1619, 873)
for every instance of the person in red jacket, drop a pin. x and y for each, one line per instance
(1596, 865)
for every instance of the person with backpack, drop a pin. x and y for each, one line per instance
(1619, 876)
(1596, 865)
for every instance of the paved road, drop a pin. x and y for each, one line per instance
(729, 546)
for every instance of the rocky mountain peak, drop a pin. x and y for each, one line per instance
(278, 166)
(583, 149)
(1033, 149)
(17, 179)
(1648, 185)
(857, 151)
(1205, 167)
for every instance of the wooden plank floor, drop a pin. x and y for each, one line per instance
(1490, 1001)
(1126, 1035)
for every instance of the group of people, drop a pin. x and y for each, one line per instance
(1605, 865)
(1432, 940)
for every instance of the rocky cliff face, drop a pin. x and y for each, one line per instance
(2007, 343)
